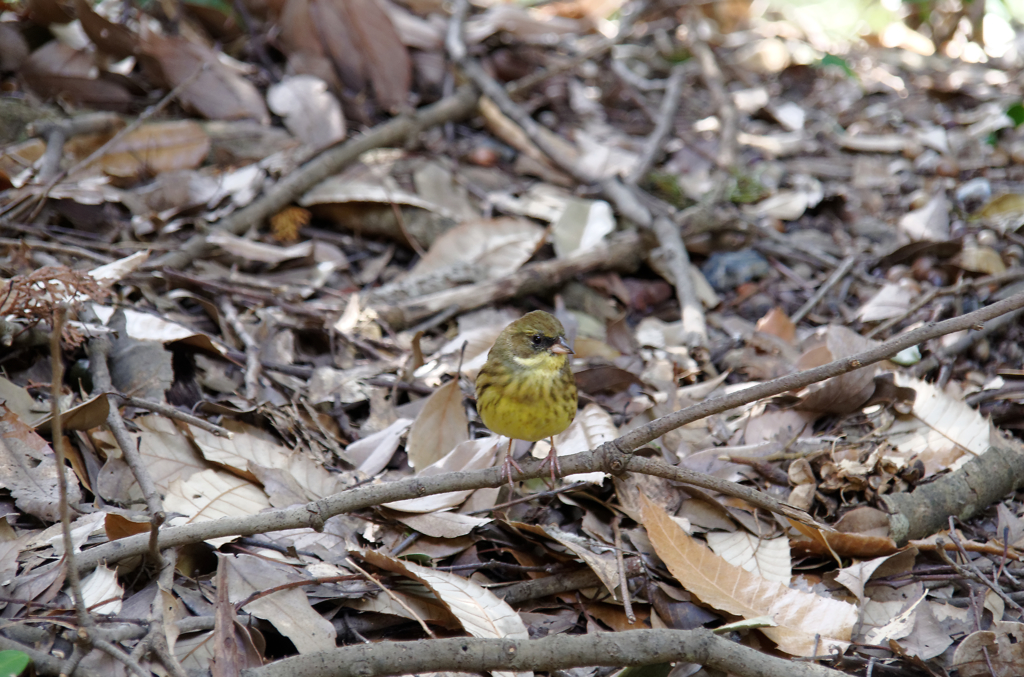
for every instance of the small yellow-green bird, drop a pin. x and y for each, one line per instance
(526, 391)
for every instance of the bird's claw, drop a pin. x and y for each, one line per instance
(556, 468)
(506, 469)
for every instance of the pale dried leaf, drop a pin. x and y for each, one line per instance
(213, 494)
(898, 627)
(156, 148)
(985, 260)
(892, 300)
(803, 618)
(260, 252)
(116, 271)
(287, 610)
(442, 524)
(497, 246)
(470, 455)
(767, 558)
(101, 591)
(441, 425)
(372, 453)
(480, 611)
(856, 576)
(940, 429)
(582, 225)
(930, 222)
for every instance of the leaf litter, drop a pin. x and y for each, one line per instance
(896, 166)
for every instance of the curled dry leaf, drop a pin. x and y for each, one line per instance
(803, 618)
(998, 652)
(372, 453)
(309, 110)
(102, 592)
(845, 393)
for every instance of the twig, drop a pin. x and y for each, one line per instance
(677, 259)
(252, 349)
(70, 250)
(98, 350)
(838, 274)
(715, 81)
(965, 343)
(627, 604)
(1011, 275)
(327, 163)
(613, 457)
(622, 251)
(663, 127)
(397, 600)
(971, 569)
(84, 640)
(174, 413)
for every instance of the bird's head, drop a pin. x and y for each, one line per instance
(536, 335)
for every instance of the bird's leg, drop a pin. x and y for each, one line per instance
(506, 467)
(556, 469)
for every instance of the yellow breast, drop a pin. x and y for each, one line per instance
(534, 400)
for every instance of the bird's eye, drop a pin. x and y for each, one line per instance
(537, 340)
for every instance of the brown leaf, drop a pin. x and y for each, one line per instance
(156, 148)
(217, 92)
(28, 469)
(387, 60)
(114, 39)
(56, 70)
(845, 393)
(348, 43)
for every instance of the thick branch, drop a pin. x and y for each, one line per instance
(464, 654)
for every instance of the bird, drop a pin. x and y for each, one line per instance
(526, 390)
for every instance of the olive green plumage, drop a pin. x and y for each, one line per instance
(527, 391)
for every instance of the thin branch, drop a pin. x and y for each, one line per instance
(837, 275)
(613, 457)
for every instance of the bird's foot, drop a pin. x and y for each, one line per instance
(552, 461)
(506, 469)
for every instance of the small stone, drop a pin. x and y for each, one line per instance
(974, 193)
(728, 270)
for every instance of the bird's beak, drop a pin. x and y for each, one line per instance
(562, 348)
